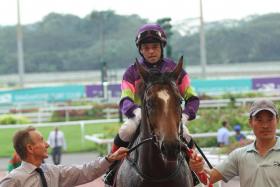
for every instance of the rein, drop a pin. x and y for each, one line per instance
(134, 165)
(139, 144)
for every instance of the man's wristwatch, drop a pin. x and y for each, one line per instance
(107, 158)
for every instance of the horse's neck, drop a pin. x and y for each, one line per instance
(145, 132)
(150, 161)
(149, 154)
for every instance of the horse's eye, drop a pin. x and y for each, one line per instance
(149, 104)
(180, 101)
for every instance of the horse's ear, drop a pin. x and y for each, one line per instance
(178, 69)
(142, 71)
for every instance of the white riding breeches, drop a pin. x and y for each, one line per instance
(128, 129)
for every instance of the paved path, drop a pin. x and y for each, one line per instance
(80, 158)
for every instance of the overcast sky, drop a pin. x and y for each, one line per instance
(34, 10)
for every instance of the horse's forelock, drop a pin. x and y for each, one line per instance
(162, 78)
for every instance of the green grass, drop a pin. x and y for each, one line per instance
(72, 136)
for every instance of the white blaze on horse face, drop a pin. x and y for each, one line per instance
(163, 95)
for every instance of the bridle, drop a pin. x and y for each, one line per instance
(152, 138)
(147, 108)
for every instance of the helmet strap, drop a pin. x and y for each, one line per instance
(161, 47)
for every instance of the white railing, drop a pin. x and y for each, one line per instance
(44, 114)
(68, 123)
(96, 137)
(45, 111)
(238, 102)
(54, 124)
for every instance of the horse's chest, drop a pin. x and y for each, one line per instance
(129, 177)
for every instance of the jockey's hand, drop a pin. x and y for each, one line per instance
(117, 155)
(196, 162)
(137, 113)
(184, 119)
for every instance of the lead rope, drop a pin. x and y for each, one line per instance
(203, 178)
(201, 175)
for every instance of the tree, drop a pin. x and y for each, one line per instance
(166, 25)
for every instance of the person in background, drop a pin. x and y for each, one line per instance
(33, 149)
(257, 164)
(56, 141)
(223, 135)
(240, 137)
(150, 41)
(14, 162)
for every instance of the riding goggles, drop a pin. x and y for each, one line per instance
(150, 34)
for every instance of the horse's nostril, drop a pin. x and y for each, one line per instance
(178, 147)
(163, 149)
(170, 150)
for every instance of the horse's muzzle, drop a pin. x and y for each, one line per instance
(170, 150)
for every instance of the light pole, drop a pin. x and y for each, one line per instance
(20, 48)
(203, 60)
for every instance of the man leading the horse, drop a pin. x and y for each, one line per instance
(150, 41)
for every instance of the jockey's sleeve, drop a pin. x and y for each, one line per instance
(127, 107)
(189, 95)
(129, 100)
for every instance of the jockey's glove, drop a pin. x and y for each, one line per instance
(137, 113)
(184, 119)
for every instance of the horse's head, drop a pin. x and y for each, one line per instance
(161, 112)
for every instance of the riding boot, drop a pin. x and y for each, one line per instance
(110, 174)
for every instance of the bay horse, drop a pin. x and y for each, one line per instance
(159, 161)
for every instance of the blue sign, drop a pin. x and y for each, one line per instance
(50, 94)
(222, 86)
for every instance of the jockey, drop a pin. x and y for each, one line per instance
(150, 41)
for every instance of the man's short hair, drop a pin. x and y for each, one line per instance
(224, 123)
(21, 139)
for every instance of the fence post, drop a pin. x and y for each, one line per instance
(66, 115)
(120, 116)
(39, 116)
(109, 147)
(82, 127)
